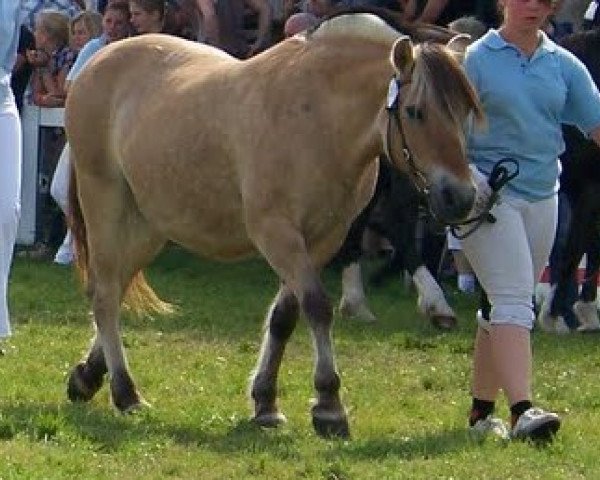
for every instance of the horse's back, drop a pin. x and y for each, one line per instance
(142, 133)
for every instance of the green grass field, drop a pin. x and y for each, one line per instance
(406, 387)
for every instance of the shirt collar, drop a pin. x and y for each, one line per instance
(493, 40)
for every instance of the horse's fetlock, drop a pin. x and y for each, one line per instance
(330, 383)
(263, 391)
(123, 391)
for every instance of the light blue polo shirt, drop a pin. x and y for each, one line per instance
(525, 101)
(87, 52)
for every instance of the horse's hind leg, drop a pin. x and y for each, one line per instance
(88, 376)
(284, 248)
(280, 323)
(120, 243)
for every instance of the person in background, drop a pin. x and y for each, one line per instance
(231, 34)
(298, 22)
(22, 70)
(115, 26)
(10, 153)
(84, 27)
(528, 86)
(52, 58)
(31, 8)
(147, 16)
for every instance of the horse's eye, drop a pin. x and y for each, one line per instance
(414, 113)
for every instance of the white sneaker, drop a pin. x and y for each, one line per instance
(536, 424)
(489, 426)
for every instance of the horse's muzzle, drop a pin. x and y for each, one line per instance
(451, 200)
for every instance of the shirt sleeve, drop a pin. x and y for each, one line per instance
(87, 52)
(582, 104)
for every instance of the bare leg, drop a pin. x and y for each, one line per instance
(485, 377)
(511, 354)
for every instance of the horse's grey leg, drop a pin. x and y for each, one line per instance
(87, 376)
(328, 413)
(106, 314)
(285, 248)
(280, 323)
(431, 300)
(353, 303)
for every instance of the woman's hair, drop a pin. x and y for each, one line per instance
(91, 20)
(55, 24)
(152, 6)
(119, 6)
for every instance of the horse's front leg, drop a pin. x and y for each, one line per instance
(285, 249)
(328, 414)
(280, 323)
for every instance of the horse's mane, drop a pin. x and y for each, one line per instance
(417, 31)
(363, 24)
(439, 81)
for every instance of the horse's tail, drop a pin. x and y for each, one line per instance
(139, 296)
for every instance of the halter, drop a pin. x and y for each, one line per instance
(499, 176)
(391, 106)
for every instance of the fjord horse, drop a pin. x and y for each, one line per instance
(275, 155)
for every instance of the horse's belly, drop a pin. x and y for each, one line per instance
(206, 222)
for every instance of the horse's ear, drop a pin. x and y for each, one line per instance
(458, 44)
(402, 56)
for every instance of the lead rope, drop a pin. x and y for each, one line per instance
(501, 174)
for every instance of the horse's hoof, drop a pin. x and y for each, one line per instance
(270, 420)
(80, 387)
(356, 311)
(133, 408)
(328, 426)
(444, 322)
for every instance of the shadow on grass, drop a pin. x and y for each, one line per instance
(101, 430)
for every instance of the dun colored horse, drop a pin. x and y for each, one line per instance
(275, 155)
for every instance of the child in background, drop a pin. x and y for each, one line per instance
(52, 58)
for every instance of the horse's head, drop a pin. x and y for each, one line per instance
(430, 104)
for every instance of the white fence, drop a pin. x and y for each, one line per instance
(34, 119)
